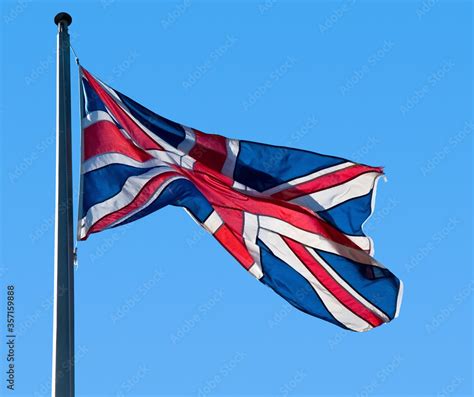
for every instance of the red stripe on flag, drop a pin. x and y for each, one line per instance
(218, 193)
(209, 150)
(201, 169)
(325, 182)
(339, 292)
(234, 220)
(137, 134)
(234, 245)
(105, 137)
(140, 199)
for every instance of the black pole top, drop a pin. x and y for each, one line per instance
(63, 17)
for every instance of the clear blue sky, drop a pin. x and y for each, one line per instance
(161, 308)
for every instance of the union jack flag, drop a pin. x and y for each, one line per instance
(292, 218)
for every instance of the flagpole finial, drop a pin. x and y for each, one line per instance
(63, 17)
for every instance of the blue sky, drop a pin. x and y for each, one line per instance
(161, 308)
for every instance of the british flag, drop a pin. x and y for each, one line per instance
(292, 218)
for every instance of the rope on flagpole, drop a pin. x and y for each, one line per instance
(76, 58)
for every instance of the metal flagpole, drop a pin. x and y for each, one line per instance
(63, 316)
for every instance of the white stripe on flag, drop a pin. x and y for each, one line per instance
(256, 271)
(96, 116)
(342, 314)
(346, 286)
(155, 195)
(250, 232)
(189, 140)
(328, 198)
(130, 189)
(232, 146)
(165, 145)
(315, 240)
(307, 178)
(399, 299)
(103, 160)
(213, 222)
(363, 242)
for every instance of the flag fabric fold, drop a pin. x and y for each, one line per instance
(292, 218)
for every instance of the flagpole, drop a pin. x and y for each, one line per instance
(63, 315)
